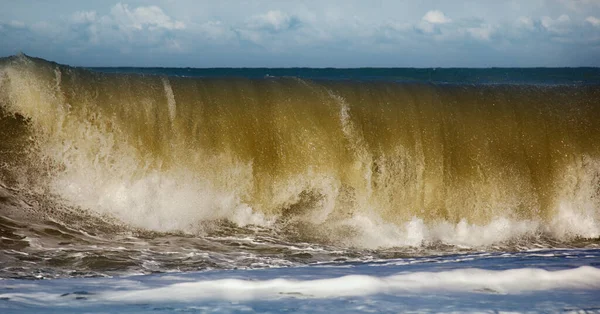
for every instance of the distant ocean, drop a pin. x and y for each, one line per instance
(298, 189)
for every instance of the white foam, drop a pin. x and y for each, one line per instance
(463, 280)
(170, 99)
(175, 289)
(373, 232)
(158, 201)
(577, 213)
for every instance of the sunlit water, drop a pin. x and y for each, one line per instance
(298, 190)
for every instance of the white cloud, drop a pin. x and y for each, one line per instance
(124, 28)
(436, 17)
(481, 33)
(276, 19)
(150, 17)
(431, 20)
(593, 20)
(560, 25)
(580, 5)
(272, 28)
(273, 20)
(16, 24)
(83, 17)
(525, 22)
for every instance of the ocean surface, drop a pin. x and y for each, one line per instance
(298, 190)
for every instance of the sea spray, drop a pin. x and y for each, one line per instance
(358, 164)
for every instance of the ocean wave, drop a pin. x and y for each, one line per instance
(352, 164)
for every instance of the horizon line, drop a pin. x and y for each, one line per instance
(306, 67)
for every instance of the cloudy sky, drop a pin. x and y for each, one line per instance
(319, 33)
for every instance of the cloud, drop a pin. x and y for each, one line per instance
(267, 29)
(431, 21)
(124, 29)
(580, 5)
(281, 31)
(525, 22)
(83, 17)
(562, 33)
(440, 27)
(482, 33)
(593, 20)
(559, 25)
(16, 24)
(436, 17)
(150, 17)
(274, 21)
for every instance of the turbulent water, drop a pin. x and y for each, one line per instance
(119, 173)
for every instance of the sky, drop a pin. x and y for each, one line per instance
(309, 33)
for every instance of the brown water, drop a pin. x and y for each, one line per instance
(109, 173)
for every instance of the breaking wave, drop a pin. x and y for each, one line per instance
(354, 164)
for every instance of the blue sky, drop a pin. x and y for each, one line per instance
(270, 33)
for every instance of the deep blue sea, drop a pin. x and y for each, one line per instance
(547, 76)
(371, 190)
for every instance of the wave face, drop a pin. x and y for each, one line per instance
(352, 164)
